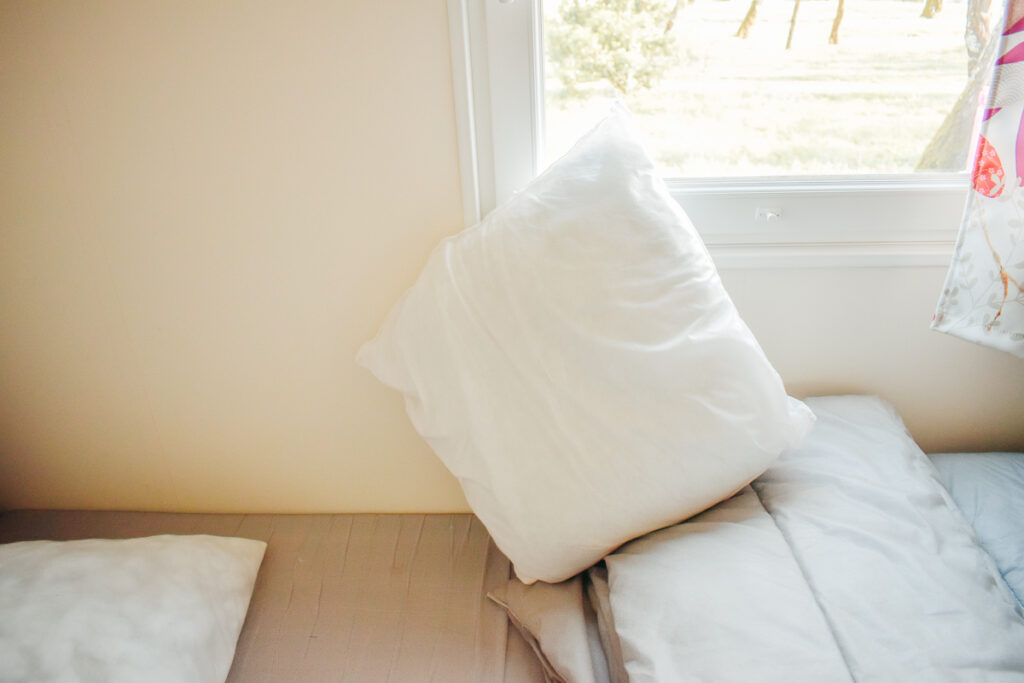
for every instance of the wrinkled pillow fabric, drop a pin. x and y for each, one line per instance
(559, 626)
(161, 609)
(575, 361)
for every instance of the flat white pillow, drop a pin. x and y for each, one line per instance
(575, 361)
(157, 609)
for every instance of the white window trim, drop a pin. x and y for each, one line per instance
(848, 221)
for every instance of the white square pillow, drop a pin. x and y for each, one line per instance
(575, 361)
(163, 609)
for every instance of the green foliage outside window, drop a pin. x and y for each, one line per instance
(625, 43)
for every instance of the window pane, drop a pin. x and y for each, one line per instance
(896, 93)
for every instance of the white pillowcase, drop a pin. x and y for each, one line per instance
(159, 609)
(575, 361)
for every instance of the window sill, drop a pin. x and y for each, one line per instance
(866, 221)
(833, 255)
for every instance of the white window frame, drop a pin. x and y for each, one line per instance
(827, 221)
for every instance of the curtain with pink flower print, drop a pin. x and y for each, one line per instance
(983, 297)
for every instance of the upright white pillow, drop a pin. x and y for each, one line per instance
(575, 361)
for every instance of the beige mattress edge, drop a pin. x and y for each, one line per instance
(345, 597)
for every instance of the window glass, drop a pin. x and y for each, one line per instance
(773, 87)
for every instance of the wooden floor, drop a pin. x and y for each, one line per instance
(345, 597)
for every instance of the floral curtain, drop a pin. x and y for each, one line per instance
(983, 298)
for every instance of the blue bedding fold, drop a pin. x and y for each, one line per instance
(989, 489)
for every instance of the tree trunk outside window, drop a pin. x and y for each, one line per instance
(931, 8)
(833, 37)
(792, 24)
(748, 20)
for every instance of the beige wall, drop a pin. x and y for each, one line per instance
(206, 206)
(865, 330)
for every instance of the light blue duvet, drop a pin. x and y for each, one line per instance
(989, 489)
